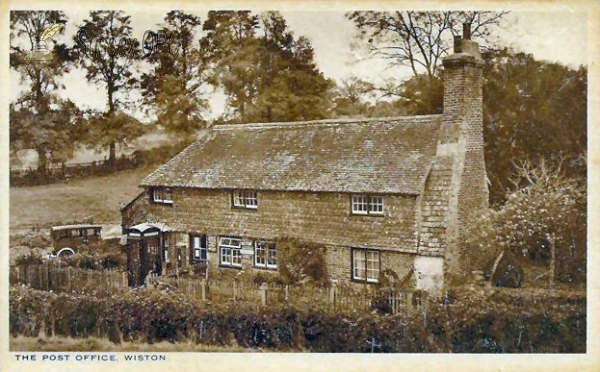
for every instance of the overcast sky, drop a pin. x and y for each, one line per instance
(558, 36)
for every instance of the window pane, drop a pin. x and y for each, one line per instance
(272, 256)
(372, 265)
(260, 254)
(225, 256)
(359, 264)
(376, 205)
(238, 199)
(236, 257)
(359, 204)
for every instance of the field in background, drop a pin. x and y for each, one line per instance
(100, 198)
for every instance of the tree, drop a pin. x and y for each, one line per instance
(419, 95)
(416, 38)
(105, 131)
(173, 86)
(543, 217)
(350, 95)
(39, 120)
(232, 50)
(268, 77)
(534, 111)
(105, 48)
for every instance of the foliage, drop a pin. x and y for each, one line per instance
(174, 85)
(466, 321)
(109, 63)
(93, 261)
(547, 206)
(533, 110)
(301, 262)
(40, 119)
(29, 259)
(269, 77)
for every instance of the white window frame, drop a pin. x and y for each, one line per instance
(268, 248)
(230, 251)
(368, 205)
(366, 262)
(245, 199)
(162, 195)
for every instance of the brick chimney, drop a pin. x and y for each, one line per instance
(461, 144)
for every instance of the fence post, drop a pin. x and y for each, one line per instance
(263, 294)
(234, 291)
(332, 294)
(203, 289)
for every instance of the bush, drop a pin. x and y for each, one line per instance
(501, 321)
(301, 262)
(547, 207)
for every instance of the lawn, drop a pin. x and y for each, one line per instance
(100, 198)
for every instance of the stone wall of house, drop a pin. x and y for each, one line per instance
(323, 218)
(434, 208)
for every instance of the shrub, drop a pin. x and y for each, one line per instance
(473, 321)
(546, 207)
(301, 262)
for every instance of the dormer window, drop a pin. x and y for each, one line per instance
(367, 205)
(245, 199)
(162, 195)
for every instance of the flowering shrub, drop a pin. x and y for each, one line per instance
(546, 209)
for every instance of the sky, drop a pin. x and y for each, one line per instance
(557, 36)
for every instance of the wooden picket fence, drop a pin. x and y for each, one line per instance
(338, 297)
(69, 279)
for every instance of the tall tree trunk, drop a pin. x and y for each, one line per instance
(42, 161)
(112, 154)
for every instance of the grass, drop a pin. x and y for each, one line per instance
(21, 343)
(100, 198)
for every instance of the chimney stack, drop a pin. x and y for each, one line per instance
(461, 139)
(467, 31)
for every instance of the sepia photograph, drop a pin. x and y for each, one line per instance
(295, 180)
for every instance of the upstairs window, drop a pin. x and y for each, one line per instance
(265, 255)
(366, 204)
(162, 195)
(245, 199)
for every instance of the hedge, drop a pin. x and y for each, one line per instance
(472, 322)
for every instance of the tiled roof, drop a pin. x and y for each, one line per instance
(384, 155)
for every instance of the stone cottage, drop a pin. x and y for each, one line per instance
(379, 194)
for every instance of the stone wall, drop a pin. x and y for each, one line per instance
(323, 218)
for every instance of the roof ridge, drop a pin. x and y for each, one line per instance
(322, 122)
